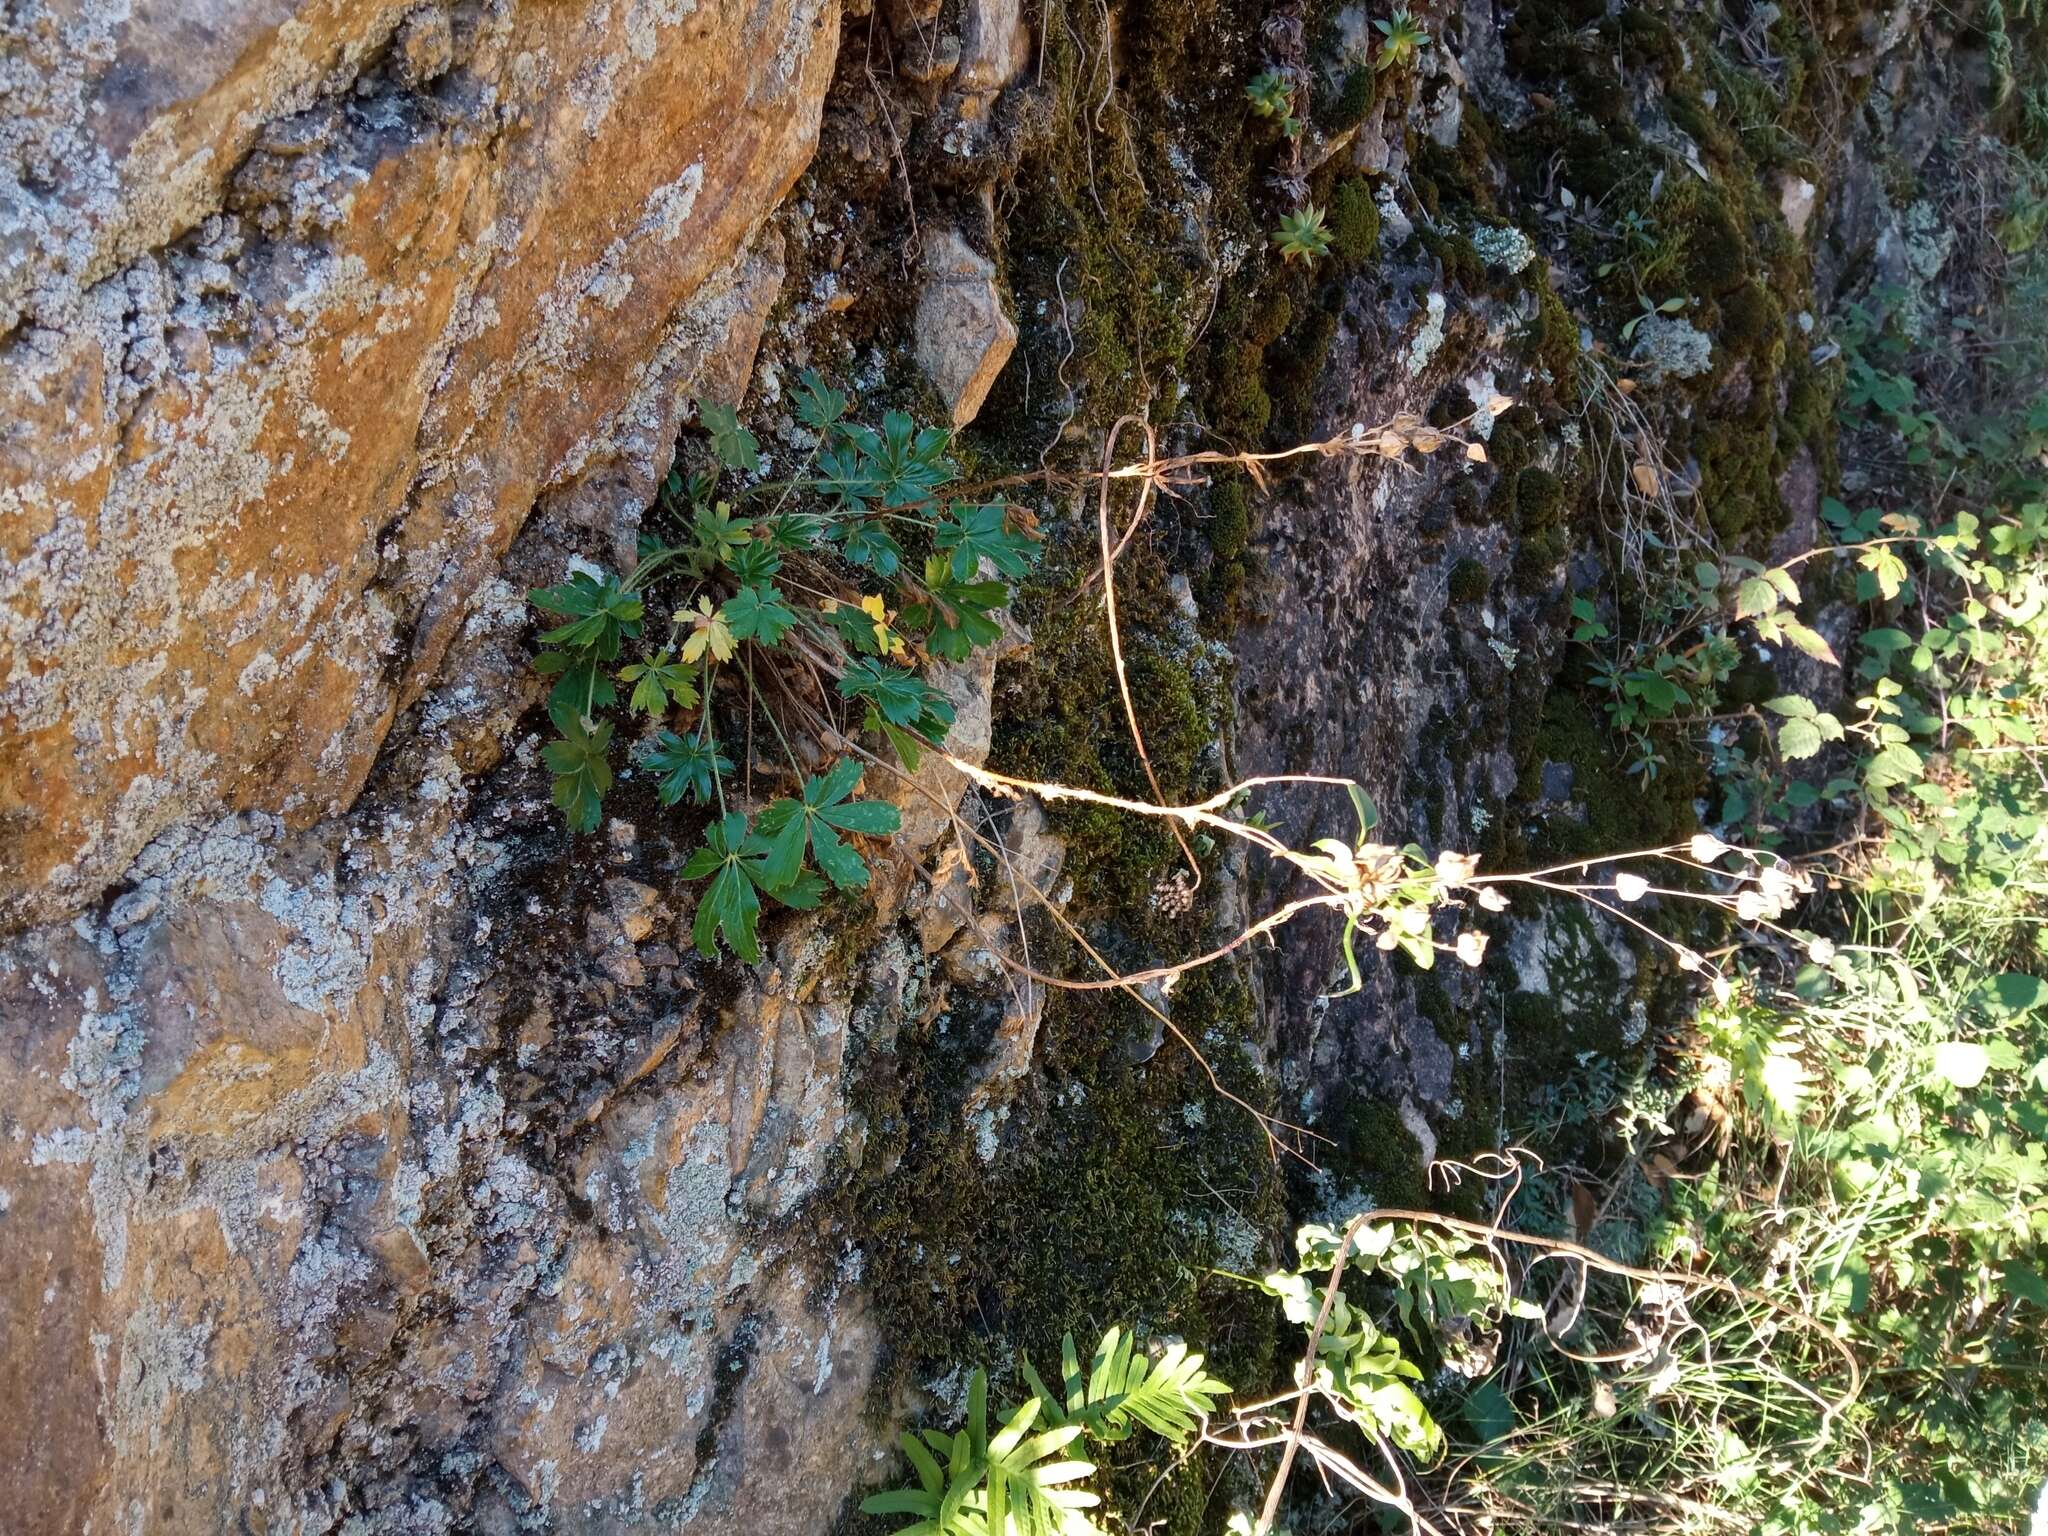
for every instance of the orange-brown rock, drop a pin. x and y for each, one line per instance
(306, 306)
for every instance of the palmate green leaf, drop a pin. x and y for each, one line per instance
(818, 404)
(864, 541)
(788, 826)
(758, 613)
(582, 773)
(756, 563)
(977, 533)
(733, 443)
(842, 473)
(900, 706)
(956, 613)
(789, 532)
(659, 683)
(909, 463)
(689, 765)
(898, 466)
(719, 534)
(901, 698)
(599, 610)
(730, 907)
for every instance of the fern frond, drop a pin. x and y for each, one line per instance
(1124, 1388)
(1006, 1484)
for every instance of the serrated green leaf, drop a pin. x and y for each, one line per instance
(758, 614)
(733, 443)
(977, 533)
(1798, 739)
(1754, 596)
(582, 772)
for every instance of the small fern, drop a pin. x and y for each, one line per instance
(970, 1483)
(1124, 1388)
(1005, 1485)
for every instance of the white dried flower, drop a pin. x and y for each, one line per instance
(1456, 868)
(1706, 847)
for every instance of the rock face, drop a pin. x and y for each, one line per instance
(963, 336)
(313, 1211)
(374, 1156)
(304, 308)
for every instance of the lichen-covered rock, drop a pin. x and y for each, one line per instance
(305, 307)
(389, 1173)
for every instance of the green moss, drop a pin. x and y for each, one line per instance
(1349, 104)
(1701, 214)
(1378, 1154)
(1740, 459)
(1230, 516)
(1354, 222)
(1809, 413)
(1621, 811)
(1595, 89)
(1459, 257)
(1551, 339)
(1243, 409)
(1697, 120)
(1752, 322)
(1513, 444)
(1469, 581)
(1648, 39)
(1539, 499)
(1294, 369)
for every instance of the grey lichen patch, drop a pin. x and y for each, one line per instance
(1671, 346)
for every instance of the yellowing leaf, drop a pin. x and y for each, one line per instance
(708, 631)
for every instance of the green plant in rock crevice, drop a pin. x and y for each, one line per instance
(1272, 96)
(777, 597)
(1402, 37)
(1303, 235)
